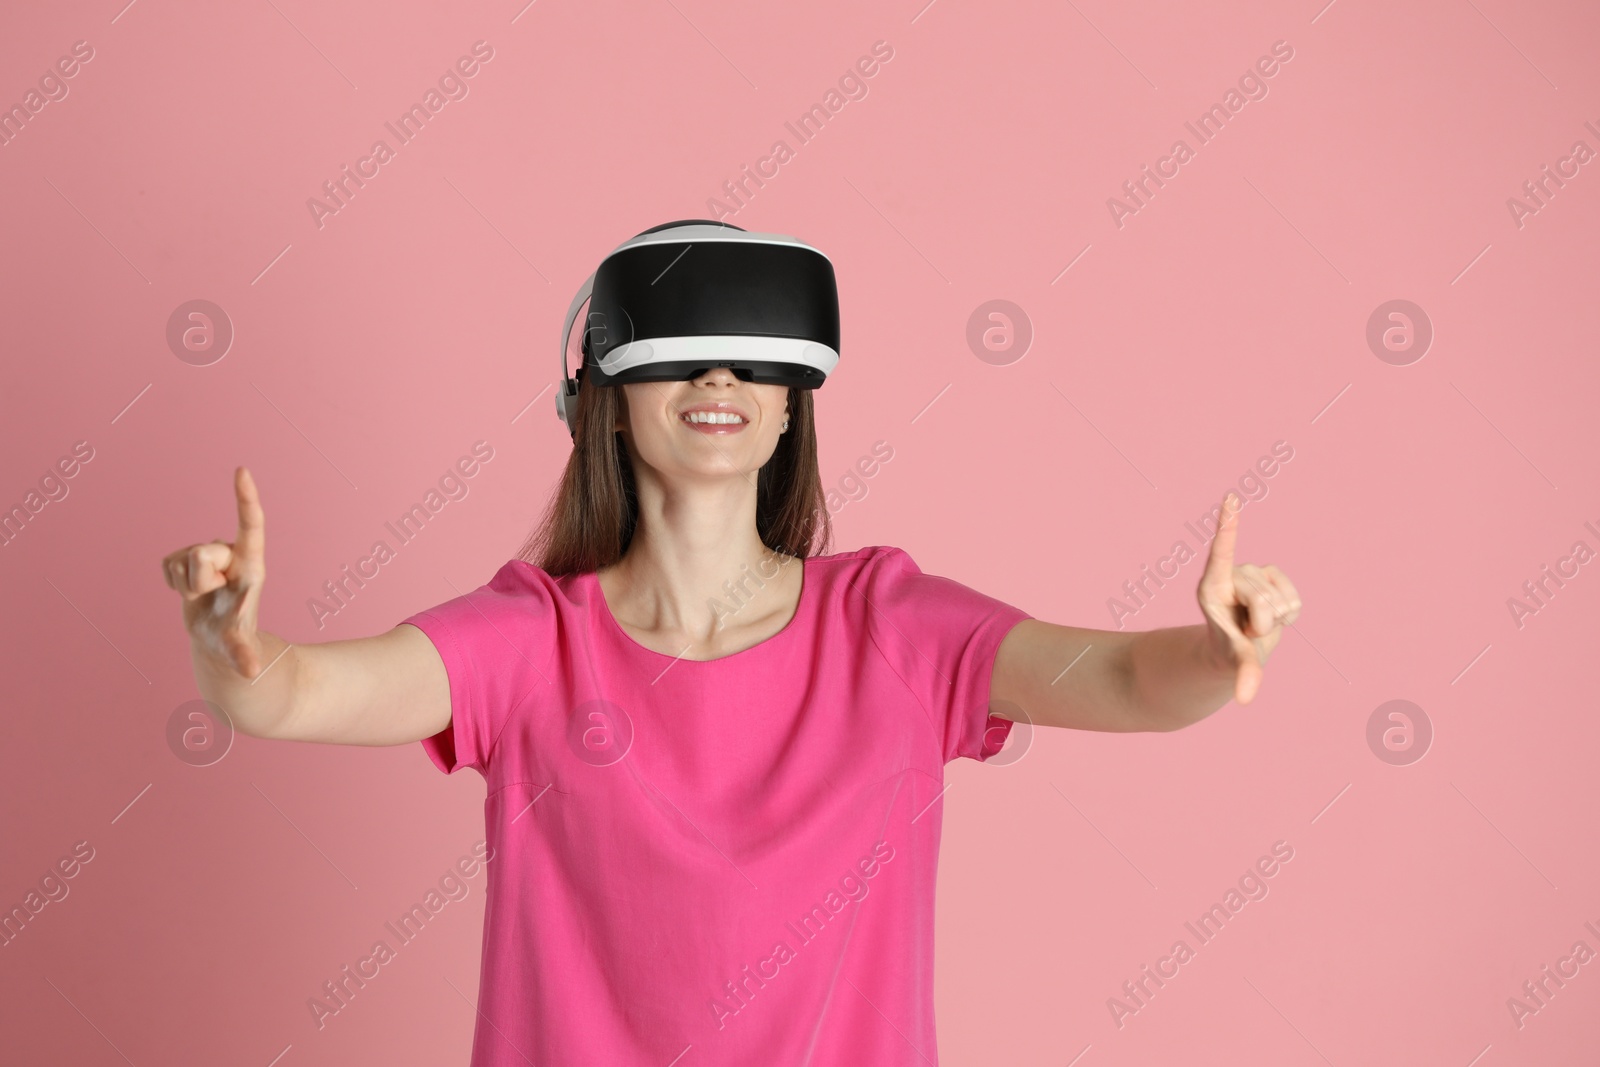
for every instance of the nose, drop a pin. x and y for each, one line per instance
(717, 376)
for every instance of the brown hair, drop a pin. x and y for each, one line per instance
(591, 516)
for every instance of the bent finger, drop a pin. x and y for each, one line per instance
(1281, 582)
(209, 565)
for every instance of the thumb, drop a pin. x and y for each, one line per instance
(1247, 683)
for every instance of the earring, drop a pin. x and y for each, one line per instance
(785, 424)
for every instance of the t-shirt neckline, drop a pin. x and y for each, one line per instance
(609, 621)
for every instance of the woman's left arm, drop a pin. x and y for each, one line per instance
(1163, 679)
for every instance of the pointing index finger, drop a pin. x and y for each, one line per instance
(250, 542)
(1219, 564)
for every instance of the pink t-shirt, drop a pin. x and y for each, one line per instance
(730, 861)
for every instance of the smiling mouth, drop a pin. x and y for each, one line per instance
(712, 418)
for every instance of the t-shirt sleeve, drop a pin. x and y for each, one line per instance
(941, 638)
(489, 640)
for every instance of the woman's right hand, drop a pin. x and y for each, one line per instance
(221, 585)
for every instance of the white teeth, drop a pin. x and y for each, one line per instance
(713, 417)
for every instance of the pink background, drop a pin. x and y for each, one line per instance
(1228, 314)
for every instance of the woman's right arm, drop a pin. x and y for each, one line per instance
(390, 689)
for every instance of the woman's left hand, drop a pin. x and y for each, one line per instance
(1246, 606)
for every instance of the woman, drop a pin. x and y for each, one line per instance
(714, 758)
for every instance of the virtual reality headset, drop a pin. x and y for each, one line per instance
(683, 297)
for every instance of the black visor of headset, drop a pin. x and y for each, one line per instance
(684, 297)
